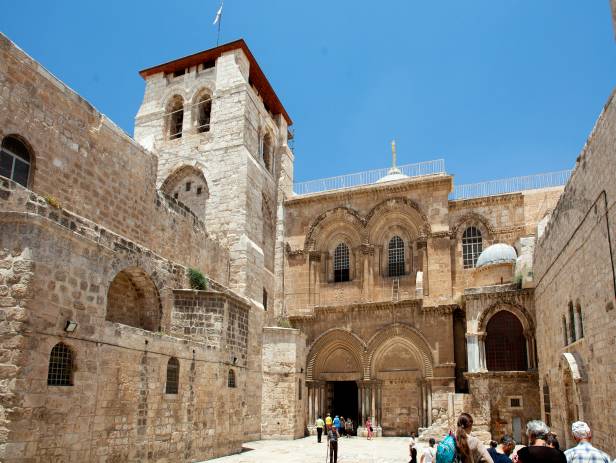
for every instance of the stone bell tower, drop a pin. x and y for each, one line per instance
(220, 134)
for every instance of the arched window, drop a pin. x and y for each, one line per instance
(578, 309)
(341, 263)
(505, 343)
(175, 117)
(15, 161)
(267, 150)
(572, 333)
(396, 257)
(547, 406)
(565, 332)
(472, 245)
(231, 379)
(173, 376)
(299, 389)
(204, 111)
(60, 372)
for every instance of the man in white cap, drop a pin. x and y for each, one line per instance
(584, 452)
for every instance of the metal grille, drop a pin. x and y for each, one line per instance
(231, 379)
(505, 343)
(60, 366)
(173, 376)
(341, 263)
(396, 257)
(472, 245)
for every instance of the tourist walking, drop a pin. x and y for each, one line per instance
(538, 452)
(332, 440)
(348, 427)
(320, 424)
(500, 453)
(470, 449)
(369, 428)
(341, 426)
(429, 453)
(328, 421)
(584, 452)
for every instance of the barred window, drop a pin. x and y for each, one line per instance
(60, 371)
(204, 111)
(396, 257)
(547, 406)
(173, 376)
(505, 343)
(472, 245)
(231, 379)
(15, 161)
(341, 263)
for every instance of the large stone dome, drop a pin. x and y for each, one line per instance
(498, 253)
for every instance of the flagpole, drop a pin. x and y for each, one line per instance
(219, 21)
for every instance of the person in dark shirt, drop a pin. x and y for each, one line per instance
(537, 452)
(332, 437)
(500, 453)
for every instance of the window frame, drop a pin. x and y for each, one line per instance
(342, 263)
(16, 157)
(231, 379)
(172, 383)
(472, 246)
(396, 257)
(60, 372)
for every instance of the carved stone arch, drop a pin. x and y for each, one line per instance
(472, 219)
(330, 341)
(187, 184)
(517, 309)
(401, 205)
(411, 338)
(327, 222)
(575, 390)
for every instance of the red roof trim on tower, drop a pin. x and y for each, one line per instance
(256, 76)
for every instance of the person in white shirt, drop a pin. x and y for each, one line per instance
(429, 453)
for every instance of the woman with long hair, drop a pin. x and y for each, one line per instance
(470, 449)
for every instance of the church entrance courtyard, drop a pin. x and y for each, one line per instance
(307, 450)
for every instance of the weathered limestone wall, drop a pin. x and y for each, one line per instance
(94, 169)
(117, 408)
(284, 400)
(574, 274)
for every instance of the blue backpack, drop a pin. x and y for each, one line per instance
(446, 450)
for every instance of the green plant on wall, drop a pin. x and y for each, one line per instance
(197, 280)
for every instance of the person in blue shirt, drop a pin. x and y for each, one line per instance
(500, 453)
(337, 422)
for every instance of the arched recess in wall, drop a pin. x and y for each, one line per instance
(406, 337)
(336, 353)
(508, 315)
(573, 378)
(188, 185)
(202, 110)
(174, 117)
(133, 300)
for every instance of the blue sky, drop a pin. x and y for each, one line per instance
(497, 88)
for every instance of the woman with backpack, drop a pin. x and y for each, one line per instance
(461, 446)
(469, 449)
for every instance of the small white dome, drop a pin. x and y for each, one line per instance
(393, 174)
(498, 253)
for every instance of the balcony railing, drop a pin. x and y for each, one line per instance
(511, 185)
(419, 169)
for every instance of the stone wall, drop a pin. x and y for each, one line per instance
(284, 399)
(575, 292)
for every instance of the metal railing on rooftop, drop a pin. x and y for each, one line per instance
(511, 185)
(419, 169)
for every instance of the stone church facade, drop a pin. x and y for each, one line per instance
(388, 300)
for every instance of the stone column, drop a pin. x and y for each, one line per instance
(359, 414)
(472, 352)
(429, 400)
(530, 349)
(379, 396)
(422, 251)
(367, 253)
(374, 419)
(481, 338)
(311, 391)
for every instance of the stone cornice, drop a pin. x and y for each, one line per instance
(503, 292)
(443, 181)
(485, 200)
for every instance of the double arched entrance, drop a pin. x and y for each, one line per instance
(386, 378)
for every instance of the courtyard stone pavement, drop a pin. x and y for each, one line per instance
(307, 450)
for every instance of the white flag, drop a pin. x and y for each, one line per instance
(218, 14)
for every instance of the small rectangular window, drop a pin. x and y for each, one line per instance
(179, 72)
(199, 190)
(264, 299)
(515, 402)
(175, 195)
(188, 184)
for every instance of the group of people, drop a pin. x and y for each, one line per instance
(543, 446)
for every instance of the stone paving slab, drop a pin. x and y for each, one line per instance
(307, 450)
